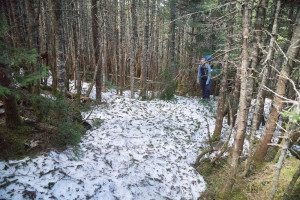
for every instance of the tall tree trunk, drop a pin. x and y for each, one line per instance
(260, 95)
(236, 95)
(134, 37)
(243, 107)
(172, 36)
(17, 36)
(157, 34)
(122, 44)
(96, 50)
(53, 46)
(146, 53)
(117, 44)
(277, 105)
(30, 21)
(60, 53)
(76, 36)
(223, 89)
(105, 42)
(33, 36)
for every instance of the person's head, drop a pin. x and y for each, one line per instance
(203, 60)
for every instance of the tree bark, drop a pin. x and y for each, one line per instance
(76, 36)
(17, 37)
(33, 38)
(172, 36)
(279, 167)
(277, 104)
(134, 37)
(146, 54)
(98, 69)
(223, 89)
(260, 95)
(122, 43)
(237, 146)
(60, 44)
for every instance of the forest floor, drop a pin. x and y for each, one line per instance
(136, 150)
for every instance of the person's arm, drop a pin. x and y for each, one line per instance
(208, 74)
(198, 76)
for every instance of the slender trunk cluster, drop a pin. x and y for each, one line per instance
(277, 104)
(261, 89)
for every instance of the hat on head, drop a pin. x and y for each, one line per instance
(207, 57)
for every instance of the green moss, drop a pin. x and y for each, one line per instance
(238, 194)
(262, 181)
(256, 186)
(205, 168)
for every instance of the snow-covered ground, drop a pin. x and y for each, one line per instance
(142, 150)
(135, 150)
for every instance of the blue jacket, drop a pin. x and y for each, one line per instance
(204, 71)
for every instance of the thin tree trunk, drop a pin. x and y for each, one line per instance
(33, 37)
(243, 107)
(134, 38)
(122, 43)
(277, 105)
(98, 69)
(53, 53)
(104, 51)
(279, 167)
(260, 95)
(223, 89)
(146, 52)
(117, 44)
(76, 32)
(172, 36)
(17, 37)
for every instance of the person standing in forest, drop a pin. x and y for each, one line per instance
(204, 72)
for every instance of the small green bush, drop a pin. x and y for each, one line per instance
(60, 114)
(70, 133)
(169, 87)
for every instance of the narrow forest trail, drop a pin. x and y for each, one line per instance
(142, 150)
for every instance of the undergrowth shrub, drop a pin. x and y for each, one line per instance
(64, 116)
(70, 133)
(169, 86)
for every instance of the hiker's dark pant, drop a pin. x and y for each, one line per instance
(205, 88)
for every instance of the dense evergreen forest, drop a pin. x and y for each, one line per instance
(105, 80)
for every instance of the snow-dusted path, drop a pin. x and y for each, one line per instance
(143, 150)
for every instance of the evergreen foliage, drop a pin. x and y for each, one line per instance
(61, 114)
(170, 86)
